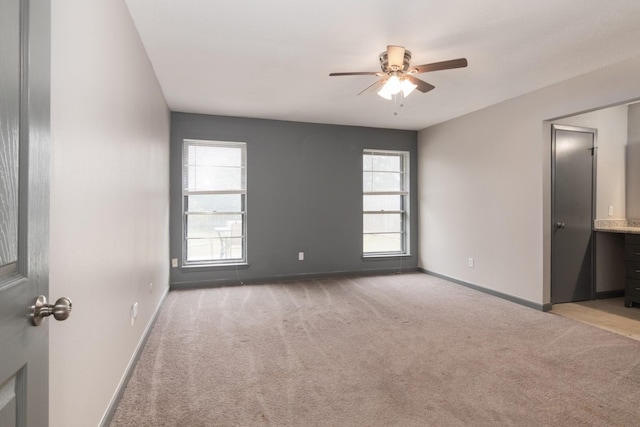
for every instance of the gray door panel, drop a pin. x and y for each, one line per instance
(572, 217)
(24, 207)
(9, 120)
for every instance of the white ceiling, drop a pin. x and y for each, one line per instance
(272, 59)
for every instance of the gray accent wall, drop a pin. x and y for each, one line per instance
(304, 194)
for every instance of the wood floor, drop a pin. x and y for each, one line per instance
(609, 314)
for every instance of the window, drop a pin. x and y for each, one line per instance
(385, 201)
(214, 201)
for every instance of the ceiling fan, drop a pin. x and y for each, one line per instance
(398, 76)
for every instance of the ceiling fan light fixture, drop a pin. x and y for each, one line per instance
(393, 85)
(385, 93)
(407, 87)
(399, 76)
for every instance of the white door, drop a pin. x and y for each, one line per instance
(24, 209)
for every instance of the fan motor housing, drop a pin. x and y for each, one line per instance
(384, 62)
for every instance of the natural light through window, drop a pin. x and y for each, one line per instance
(214, 201)
(385, 202)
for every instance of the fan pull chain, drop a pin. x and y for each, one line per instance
(399, 96)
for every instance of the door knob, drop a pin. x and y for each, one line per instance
(560, 224)
(40, 309)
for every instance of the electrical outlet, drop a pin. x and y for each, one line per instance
(174, 262)
(300, 256)
(470, 262)
(134, 313)
(610, 210)
(150, 287)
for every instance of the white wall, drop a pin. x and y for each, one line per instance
(484, 183)
(109, 203)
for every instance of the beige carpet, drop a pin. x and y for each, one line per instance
(400, 350)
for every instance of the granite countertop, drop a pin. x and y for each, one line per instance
(631, 226)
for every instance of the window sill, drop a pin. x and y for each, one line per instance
(214, 267)
(381, 256)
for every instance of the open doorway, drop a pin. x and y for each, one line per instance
(616, 202)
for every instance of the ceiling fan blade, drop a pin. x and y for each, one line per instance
(358, 73)
(374, 86)
(436, 66)
(395, 56)
(422, 85)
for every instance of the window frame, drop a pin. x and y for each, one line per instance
(186, 192)
(405, 196)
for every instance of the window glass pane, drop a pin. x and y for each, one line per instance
(203, 249)
(191, 178)
(212, 178)
(367, 162)
(233, 247)
(381, 223)
(367, 182)
(382, 203)
(203, 155)
(215, 249)
(208, 225)
(191, 155)
(386, 162)
(383, 181)
(215, 203)
(382, 243)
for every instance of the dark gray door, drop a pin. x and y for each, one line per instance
(24, 206)
(572, 214)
